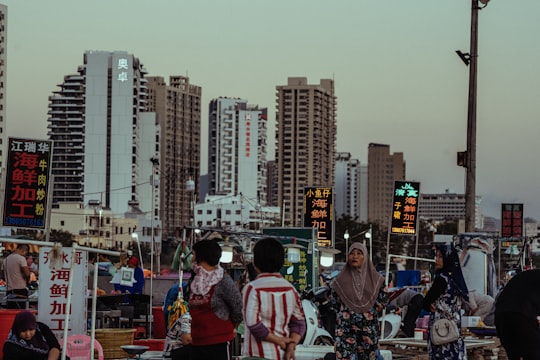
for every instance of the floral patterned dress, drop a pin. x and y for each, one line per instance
(448, 306)
(357, 335)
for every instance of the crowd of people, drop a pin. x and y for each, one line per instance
(212, 307)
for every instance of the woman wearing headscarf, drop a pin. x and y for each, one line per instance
(444, 300)
(215, 304)
(30, 340)
(358, 297)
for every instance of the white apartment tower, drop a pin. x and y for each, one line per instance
(3, 78)
(347, 191)
(237, 149)
(305, 142)
(103, 138)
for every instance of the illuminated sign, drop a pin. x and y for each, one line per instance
(122, 65)
(318, 213)
(512, 220)
(405, 207)
(248, 134)
(27, 183)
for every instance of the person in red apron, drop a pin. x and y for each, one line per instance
(215, 304)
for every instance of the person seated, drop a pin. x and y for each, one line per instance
(30, 340)
(178, 339)
(410, 300)
(481, 305)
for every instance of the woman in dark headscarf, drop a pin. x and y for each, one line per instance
(444, 300)
(30, 340)
(358, 296)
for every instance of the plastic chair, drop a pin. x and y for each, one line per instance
(78, 347)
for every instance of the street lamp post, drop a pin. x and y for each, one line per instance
(190, 188)
(153, 183)
(346, 237)
(369, 235)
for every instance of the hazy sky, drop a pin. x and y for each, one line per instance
(398, 80)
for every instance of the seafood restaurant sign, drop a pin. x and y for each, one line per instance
(28, 172)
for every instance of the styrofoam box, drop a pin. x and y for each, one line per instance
(470, 321)
(311, 352)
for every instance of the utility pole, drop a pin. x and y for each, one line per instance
(468, 159)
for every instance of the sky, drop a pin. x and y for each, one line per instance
(398, 80)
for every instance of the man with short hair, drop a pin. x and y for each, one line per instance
(17, 276)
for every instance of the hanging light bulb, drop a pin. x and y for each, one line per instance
(327, 256)
(293, 251)
(226, 254)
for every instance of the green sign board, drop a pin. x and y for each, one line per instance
(303, 274)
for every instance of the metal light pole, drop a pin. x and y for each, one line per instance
(346, 237)
(369, 235)
(190, 188)
(153, 183)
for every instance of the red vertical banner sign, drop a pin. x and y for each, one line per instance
(405, 207)
(27, 183)
(512, 220)
(318, 213)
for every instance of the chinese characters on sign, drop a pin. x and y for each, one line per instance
(512, 220)
(122, 65)
(248, 134)
(53, 292)
(318, 213)
(405, 207)
(27, 183)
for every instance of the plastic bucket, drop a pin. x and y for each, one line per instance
(159, 322)
(6, 319)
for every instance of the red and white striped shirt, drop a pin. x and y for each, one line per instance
(271, 305)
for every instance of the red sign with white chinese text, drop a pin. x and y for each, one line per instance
(27, 183)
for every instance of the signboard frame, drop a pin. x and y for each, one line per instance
(319, 213)
(27, 182)
(404, 217)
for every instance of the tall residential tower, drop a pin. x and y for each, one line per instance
(305, 142)
(3, 78)
(178, 110)
(383, 169)
(103, 138)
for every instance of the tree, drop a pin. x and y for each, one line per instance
(63, 237)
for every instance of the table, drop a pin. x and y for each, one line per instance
(131, 306)
(412, 346)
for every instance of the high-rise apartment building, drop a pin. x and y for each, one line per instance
(236, 197)
(305, 142)
(271, 183)
(103, 138)
(383, 169)
(3, 78)
(237, 149)
(178, 110)
(348, 182)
